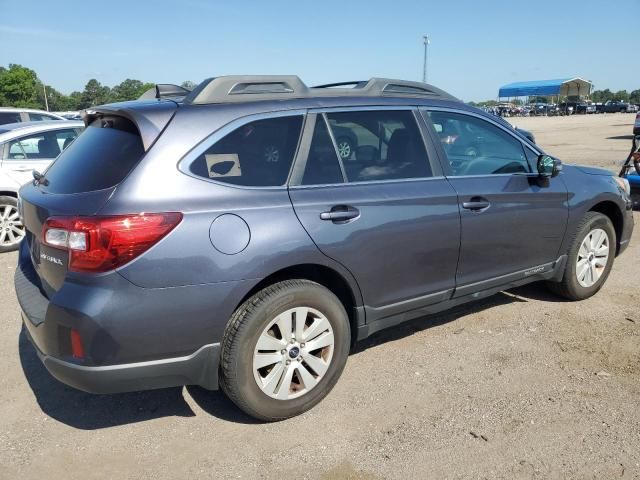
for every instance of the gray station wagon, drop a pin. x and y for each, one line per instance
(225, 237)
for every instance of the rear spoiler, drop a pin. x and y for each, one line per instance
(165, 90)
(150, 118)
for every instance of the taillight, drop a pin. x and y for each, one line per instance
(99, 244)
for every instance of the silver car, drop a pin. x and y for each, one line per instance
(25, 147)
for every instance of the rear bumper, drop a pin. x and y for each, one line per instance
(199, 368)
(134, 338)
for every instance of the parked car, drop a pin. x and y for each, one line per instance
(24, 147)
(636, 125)
(614, 106)
(567, 108)
(15, 115)
(585, 108)
(170, 245)
(632, 108)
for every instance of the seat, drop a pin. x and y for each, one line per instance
(48, 147)
(67, 142)
(403, 156)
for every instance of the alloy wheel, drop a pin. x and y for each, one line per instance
(293, 353)
(11, 228)
(593, 256)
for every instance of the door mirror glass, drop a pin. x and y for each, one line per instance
(548, 166)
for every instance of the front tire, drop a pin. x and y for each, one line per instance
(284, 349)
(590, 258)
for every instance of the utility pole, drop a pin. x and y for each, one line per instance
(426, 40)
(46, 102)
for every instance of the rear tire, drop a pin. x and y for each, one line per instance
(11, 229)
(590, 258)
(268, 372)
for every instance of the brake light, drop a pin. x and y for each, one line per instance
(99, 244)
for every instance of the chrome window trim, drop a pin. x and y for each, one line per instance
(192, 155)
(367, 182)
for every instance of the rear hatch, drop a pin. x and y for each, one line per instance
(78, 183)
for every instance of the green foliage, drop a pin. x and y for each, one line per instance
(19, 87)
(634, 97)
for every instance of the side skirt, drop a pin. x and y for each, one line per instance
(376, 320)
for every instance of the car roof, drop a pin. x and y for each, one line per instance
(27, 110)
(11, 130)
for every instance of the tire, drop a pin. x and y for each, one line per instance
(571, 286)
(11, 229)
(251, 389)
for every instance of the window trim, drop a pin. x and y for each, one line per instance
(432, 154)
(192, 155)
(424, 111)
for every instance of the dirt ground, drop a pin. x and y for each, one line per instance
(521, 385)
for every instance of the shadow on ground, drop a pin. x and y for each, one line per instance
(89, 412)
(621, 137)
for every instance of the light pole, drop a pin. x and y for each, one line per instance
(426, 40)
(46, 102)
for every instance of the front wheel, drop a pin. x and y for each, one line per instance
(284, 349)
(590, 258)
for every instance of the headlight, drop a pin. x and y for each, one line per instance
(623, 183)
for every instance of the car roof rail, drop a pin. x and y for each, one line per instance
(242, 88)
(164, 90)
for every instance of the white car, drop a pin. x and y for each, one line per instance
(25, 147)
(15, 115)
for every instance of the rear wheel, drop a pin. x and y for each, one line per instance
(590, 258)
(11, 229)
(284, 349)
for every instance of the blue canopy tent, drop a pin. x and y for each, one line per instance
(558, 87)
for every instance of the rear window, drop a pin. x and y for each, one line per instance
(9, 117)
(257, 154)
(101, 157)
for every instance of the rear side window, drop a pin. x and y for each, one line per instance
(323, 166)
(9, 117)
(379, 145)
(101, 157)
(257, 154)
(40, 117)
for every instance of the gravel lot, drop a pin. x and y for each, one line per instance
(521, 385)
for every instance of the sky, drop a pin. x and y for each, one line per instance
(476, 46)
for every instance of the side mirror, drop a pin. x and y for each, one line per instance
(549, 167)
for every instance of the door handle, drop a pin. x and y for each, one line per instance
(23, 169)
(340, 214)
(476, 204)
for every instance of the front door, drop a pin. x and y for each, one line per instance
(512, 222)
(381, 209)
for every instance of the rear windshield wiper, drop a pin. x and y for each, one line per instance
(39, 179)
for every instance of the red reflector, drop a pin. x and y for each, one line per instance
(99, 244)
(77, 350)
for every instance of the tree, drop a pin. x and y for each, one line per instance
(601, 96)
(188, 84)
(634, 97)
(129, 90)
(19, 87)
(622, 95)
(94, 94)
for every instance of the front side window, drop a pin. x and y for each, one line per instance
(257, 154)
(379, 145)
(476, 147)
(45, 145)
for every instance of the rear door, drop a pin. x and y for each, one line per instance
(512, 222)
(383, 209)
(34, 152)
